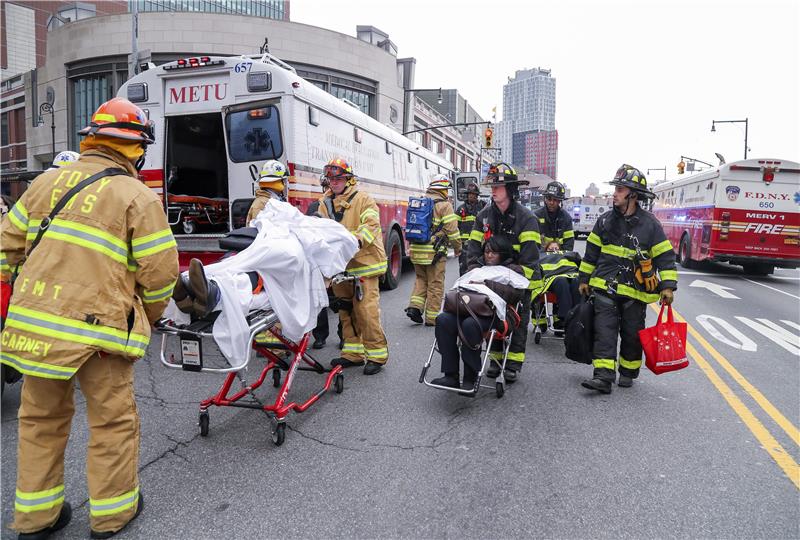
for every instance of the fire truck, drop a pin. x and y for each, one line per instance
(745, 213)
(219, 118)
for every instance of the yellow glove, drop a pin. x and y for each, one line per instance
(646, 275)
(584, 289)
(667, 296)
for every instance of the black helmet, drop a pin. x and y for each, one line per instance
(630, 177)
(556, 190)
(473, 188)
(501, 174)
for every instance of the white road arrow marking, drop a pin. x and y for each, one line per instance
(719, 290)
(740, 341)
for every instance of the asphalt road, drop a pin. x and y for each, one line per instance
(710, 451)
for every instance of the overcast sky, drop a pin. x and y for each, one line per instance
(636, 82)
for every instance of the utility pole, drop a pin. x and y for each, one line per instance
(134, 39)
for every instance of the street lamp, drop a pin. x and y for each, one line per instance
(664, 168)
(745, 122)
(407, 91)
(47, 108)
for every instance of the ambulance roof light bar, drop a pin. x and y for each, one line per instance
(194, 62)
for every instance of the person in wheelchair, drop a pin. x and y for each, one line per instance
(498, 250)
(560, 276)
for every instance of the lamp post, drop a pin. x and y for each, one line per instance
(664, 168)
(47, 108)
(745, 122)
(407, 91)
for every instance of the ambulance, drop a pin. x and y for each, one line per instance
(745, 213)
(219, 118)
(585, 211)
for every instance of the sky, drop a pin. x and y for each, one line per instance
(637, 82)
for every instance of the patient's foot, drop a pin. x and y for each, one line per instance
(206, 293)
(182, 295)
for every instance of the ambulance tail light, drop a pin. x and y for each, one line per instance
(725, 226)
(768, 175)
(195, 62)
(290, 166)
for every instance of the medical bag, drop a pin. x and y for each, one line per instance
(579, 332)
(419, 220)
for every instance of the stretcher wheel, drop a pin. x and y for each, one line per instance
(276, 378)
(203, 423)
(499, 389)
(338, 383)
(279, 435)
(537, 338)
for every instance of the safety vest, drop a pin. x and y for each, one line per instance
(442, 216)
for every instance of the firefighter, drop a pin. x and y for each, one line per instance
(507, 217)
(429, 286)
(63, 158)
(363, 335)
(271, 183)
(466, 213)
(623, 252)
(82, 308)
(554, 222)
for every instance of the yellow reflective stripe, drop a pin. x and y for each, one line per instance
(152, 243)
(626, 290)
(630, 364)
(369, 212)
(33, 501)
(661, 247)
(18, 215)
(4, 262)
(529, 236)
(547, 267)
(668, 275)
(104, 117)
(366, 271)
(37, 369)
(354, 348)
(618, 251)
(84, 236)
(586, 267)
(365, 232)
(604, 363)
(568, 234)
(114, 505)
(464, 236)
(476, 235)
(151, 296)
(449, 218)
(468, 218)
(379, 354)
(516, 247)
(422, 248)
(541, 220)
(516, 356)
(454, 235)
(528, 271)
(594, 239)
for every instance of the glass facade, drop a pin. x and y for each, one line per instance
(270, 9)
(359, 93)
(88, 94)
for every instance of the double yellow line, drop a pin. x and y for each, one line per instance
(768, 442)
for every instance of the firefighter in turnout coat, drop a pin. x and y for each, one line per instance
(82, 307)
(362, 332)
(623, 252)
(555, 224)
(271, 183)
(506, 216)
(429, 287)
(466, 213)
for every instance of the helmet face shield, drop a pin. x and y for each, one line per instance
(334, 171)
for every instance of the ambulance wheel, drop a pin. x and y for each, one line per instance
(537, 338)
(684, 253)
(189, 227)
(203, 423)
(394, 255)
(338, 383)
(279, 434)
(276, 377)
(499, 389)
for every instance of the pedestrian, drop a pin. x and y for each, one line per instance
(505, 216)
(364, 341)
(430, 259)
(625, 248)
(82, 307)
(555, 224)
(466, 213)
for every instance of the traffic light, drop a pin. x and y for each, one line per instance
(487, 135)
(681, 167)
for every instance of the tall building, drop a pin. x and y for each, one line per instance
(527, 134)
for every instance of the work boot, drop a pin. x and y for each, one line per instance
(64, 517)
(625, 381)
(345, 363)
(414, 314)
(109, 534)
(449, 380)
(601, 385)
(318, 344)
(372, 368)
(206, 293)
(493, 371)
(182, 295)
(511, 376)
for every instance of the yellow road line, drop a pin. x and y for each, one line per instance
(759, 398)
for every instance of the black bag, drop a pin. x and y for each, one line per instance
(238, 239)
(579, 332)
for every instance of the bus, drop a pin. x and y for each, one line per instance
(585, 211)
(219, 118)
(743, 213)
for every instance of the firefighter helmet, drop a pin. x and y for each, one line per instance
(501, 174)
(556, 190)
(121, 119)
(472, 187)
(273, 175)
(630, 177)
(64, 158)
(440, 182)
(339, 168)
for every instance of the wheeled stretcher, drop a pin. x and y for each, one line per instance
(196, 343)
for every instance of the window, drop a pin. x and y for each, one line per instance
(254, 135)
(359, 98)
(88, 93)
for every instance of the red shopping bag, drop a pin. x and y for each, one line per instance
(5, 297)
(664, 344)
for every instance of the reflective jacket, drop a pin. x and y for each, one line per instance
(466, 218)
(359, 215)
(610, 249)
(556, 264)
(102, 273)
(442, 215)
(558, 229)
(519, 225)
(262, 196)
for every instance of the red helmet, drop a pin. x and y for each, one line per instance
(120, 118)
(339, 168)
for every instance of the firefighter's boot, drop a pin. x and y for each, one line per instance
(63, 520)
(625, 381)
(601, 385)
(109, 534)
(414, 314)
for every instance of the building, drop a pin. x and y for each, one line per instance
(537, 151)
(592, 190)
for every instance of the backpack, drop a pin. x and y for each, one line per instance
(419, 220)
(579, 332)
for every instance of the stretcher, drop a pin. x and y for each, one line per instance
(198, 353)
(192, 212)
(543, 305)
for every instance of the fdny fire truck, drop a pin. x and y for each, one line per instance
(745, 213)
(218, 119)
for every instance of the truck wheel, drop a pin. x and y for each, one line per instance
(684, 252)
(394, 255)
(758, 269)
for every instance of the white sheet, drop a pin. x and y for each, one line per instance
(473, 281)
